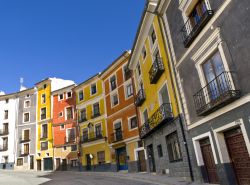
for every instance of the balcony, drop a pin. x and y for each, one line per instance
(161, 116)
(4, 132)
(156, 70)
(23, 153)
(3, 148)
(190, 30)
(95, 115)
(92, 137)
(81, 120)
(24, 139)
(70, 140)
(44, 136)
(117, 136)
(217, 93)
(140, 98)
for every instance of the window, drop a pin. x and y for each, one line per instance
(20, 162)
(80, 95)
(60, 114)
(85, 135)
(127, 73)
(6, 100)
(174, 151)
(26, 148)
(144, 53)
(27, 104)
(212, 68)
(74, 163)
(153, 37)
(145, 115)
(43, 113)
(93, 89)
(6, 114)
(83, 115)
(96, 110)
(44, 131)
(98, 130)
(101, 157)
(64, 148)
(159, 149)
(60, 97)
(71, 136)
(45, 86)
(133, 122)
(113, 83)
(44, 145)
(69, 113)
(138, 67)
(27, 95)
(6, 127)
(62, 127)
(73, 148)
(26, 135)
(69, 94)
(114, 99)
(197, 13)
(129, 90)
(43, 98)
(118, 131)
(26, 117)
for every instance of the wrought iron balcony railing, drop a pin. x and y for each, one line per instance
(82, 120)
(217, 93)
(140, 98)
(95, 115)
(70, 140)
(192, 28)
(92, 136)
(3, 148)
(4, 132)
(24, 139)
(117, 136)
(156, 70)
(162, 115)
(23, 153)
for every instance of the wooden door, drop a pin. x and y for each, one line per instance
(151, 158)
(142, 161)
(239, 155)
(58, 164)
(209, 162)
(39, 165)
(48, 164)
(32, 162)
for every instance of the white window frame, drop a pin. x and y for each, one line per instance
(63, 127)
(92, 114)
(43, 131)
(42, 98)
(65, 112)
(60, 116)
(24, 105)
(64, 148)
(110, 89)
(41, 113)
(129, 122)
(115, 122)
(70, 129)
(152, 45)
(23, 133)
(79, 96)
(112, 100)
(29, 117)
(68, 97)
(126, 84)
(91, 88)
(59, 98)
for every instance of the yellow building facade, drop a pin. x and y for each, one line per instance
(161, 130)
(91, 113)
(44, 143)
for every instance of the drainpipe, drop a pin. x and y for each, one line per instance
(172, 71)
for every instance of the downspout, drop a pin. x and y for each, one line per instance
(163, 30)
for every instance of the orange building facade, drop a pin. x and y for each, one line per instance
(122, 121)
(65, 129)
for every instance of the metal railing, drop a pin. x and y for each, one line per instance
(116, 136)
(164, 113)
(140, 98)
(24, 139)
(191, 30)
(92, 136)
(23, 153)
(219, 91)
(4, 132)
(156, 70)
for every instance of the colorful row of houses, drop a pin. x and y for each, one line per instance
(177, 104)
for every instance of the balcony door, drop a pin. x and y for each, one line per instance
(213, 71)
(118, 131)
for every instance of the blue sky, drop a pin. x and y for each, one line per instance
(70, 39)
